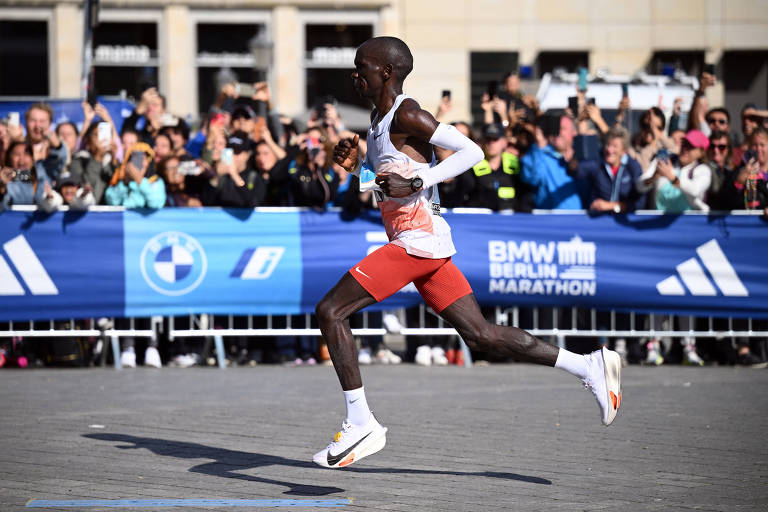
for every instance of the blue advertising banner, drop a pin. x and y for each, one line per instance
(180, 261)
(61, 265)
(240, 262)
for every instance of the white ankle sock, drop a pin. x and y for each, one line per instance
(357, 406)
(575, 364)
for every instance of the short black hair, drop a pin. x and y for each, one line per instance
(722, 110)
(70, 123)
(396, 52)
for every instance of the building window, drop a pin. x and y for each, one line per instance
(125, 58)
(24, 58)
(225, 53)
(329, 62)
(487, 71)
(547, 62)
(667, 62)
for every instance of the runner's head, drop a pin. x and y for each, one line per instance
(380, 60)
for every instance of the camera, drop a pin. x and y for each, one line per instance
(23, 175)
(189, 168)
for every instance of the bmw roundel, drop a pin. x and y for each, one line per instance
(173, 263)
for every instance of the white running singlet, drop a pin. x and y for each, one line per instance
(411, 222)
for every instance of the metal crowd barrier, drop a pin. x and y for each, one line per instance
(556, 324)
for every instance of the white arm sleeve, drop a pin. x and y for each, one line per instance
(467, 154)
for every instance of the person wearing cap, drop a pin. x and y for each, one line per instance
(236, 184)
(495, 179)
(681, 181)
(545, 166)
(70, 191)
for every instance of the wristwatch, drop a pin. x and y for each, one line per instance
(676, 180)
(416, 183)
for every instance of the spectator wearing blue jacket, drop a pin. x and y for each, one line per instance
(612, 177)
(131, 188)
(545, 166)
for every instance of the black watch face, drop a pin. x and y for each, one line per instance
(417, 183)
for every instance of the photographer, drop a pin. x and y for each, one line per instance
(96, 164)
(680, 181)
(312, 179)
(50, 155)
(235, 184)
(130, 187)
(186, 180)
(20, 181)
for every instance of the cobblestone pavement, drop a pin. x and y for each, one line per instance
(501, 437)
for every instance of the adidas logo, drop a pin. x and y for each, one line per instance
(695, 279)
(29, 268)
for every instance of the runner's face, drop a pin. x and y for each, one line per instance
(365, 77)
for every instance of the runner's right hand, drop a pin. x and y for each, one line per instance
(345, 153)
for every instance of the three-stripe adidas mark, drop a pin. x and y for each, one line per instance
(697, 282)
(29, 268)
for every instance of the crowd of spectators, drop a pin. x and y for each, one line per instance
(247, 154)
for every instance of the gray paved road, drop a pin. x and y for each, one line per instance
(504, 437)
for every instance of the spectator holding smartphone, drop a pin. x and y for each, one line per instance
(186, 180)
(147, 117)
(747, 190)
(236, 184)
(130, 187)
(96, 164)
(680, 182)
(313, 182)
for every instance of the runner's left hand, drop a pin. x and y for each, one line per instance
(394, 185)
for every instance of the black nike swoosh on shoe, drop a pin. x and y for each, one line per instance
(335, 459)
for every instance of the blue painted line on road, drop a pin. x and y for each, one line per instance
(189, 503)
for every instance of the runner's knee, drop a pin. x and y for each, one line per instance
(326, 312)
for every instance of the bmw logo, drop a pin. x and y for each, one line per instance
(173, 263)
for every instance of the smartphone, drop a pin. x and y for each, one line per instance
(105, 133)
(189, 168)
(493, 87)
(749, 155)
(244, 90)
(227, 155)
(13, 119)
(709, 68)
(590, 101)
(137, 159)
(447, 93)
(582, 79)
(625, 90)
(663, 154)
(573, 104)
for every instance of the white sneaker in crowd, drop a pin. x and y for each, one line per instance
(152, 358)
(364, 356)
(654, 356)
(691, 358)
(391, 323)
(604, 380)
(352, 443)
(423, 356)
(438, 356)
(128, 359)
(183, 361)
(386, 356)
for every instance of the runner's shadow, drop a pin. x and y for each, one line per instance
(226, 463)
(229, 463)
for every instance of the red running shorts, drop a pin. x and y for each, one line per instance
(389, 268)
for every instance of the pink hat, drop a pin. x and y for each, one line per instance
(697, 139)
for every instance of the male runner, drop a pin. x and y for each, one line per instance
(400, 152)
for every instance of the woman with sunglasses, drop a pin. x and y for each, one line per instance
(747, 188)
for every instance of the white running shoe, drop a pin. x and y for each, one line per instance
(604, 381)
(152, 358)
(128, 359)
(364, 356)
(352, 443)
(386, 356)
(691, 358)
(392, 324)
(438, 356)
(423, 356)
